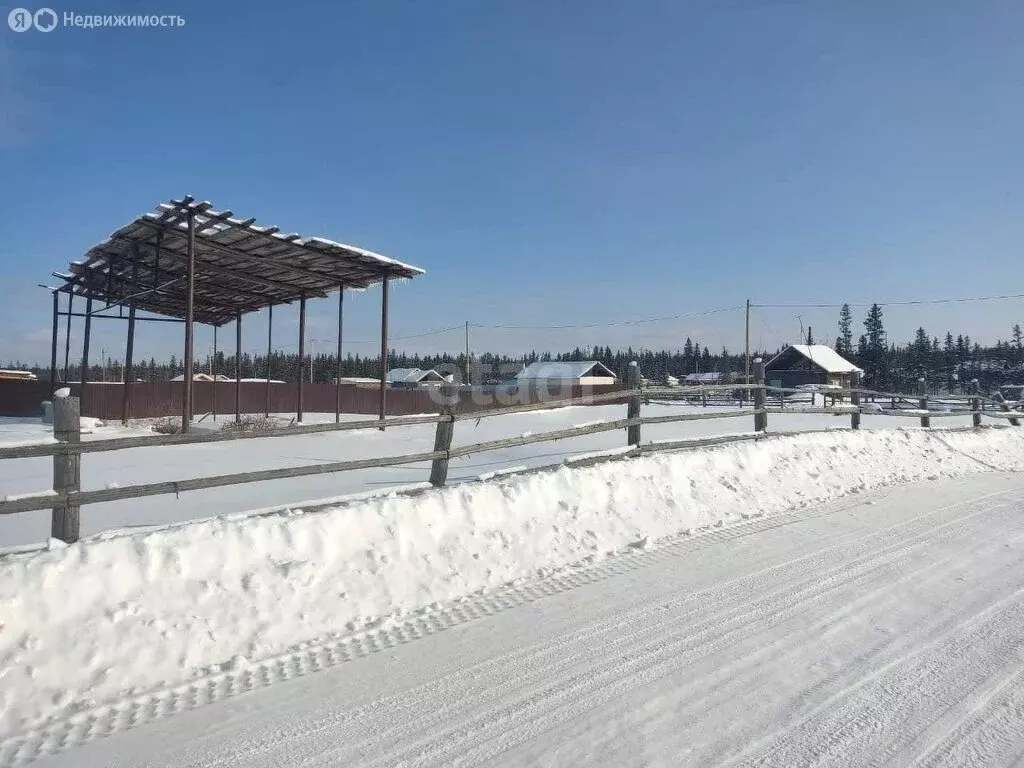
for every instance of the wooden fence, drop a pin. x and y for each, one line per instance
(150, 399)
(66, 498)
(22, 398)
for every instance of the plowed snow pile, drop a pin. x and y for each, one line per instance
(85, 624)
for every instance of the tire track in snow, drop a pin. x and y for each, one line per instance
(989, 733)
(107, 719)
(913, 692)
(560, 700)
(932, 662)
(424, 698)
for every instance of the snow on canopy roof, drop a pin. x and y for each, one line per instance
(240, 267)
(823, 357)
(711, 376)
(568, 370)
(411, 375)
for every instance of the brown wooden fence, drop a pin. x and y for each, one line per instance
(22, 398)
(66, 496)
(152, 399)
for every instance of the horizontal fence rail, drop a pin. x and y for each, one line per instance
(66, 497)
(673, 418)
(192, 438)
(884, 395)
(78, 498)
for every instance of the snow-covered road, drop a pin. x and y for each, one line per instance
(885, 628)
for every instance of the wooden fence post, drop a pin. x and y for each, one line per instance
(855, 400)
(923, 402)
(760, 418)
(66, 466)
(1006, 409)
(975, 404)
(633, 407)
(443, 436)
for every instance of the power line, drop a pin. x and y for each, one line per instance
(891, 303)
(435, 332)
(609, 324)
(463, 326)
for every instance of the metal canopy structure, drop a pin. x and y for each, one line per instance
(190, 262)
(239, 267)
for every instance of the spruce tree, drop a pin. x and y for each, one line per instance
(844, 341)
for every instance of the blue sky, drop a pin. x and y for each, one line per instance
(547, 163)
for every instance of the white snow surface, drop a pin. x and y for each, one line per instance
(120, 614)
(880, 629)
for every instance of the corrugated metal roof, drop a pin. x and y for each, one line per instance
(240, 267)
(824, 357)
(569, 370)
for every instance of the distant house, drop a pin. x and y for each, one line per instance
(222, 378)
(11, 375)
(414, 377)
(800, 364)
(359, 381)
(712, 377)
(585, 373)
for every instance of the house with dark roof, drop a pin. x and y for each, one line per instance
(800, 364)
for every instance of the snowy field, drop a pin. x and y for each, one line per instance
(883, 629)
(147, 465)
(121, 631)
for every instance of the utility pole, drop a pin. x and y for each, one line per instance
(746, 354)
(467, 353)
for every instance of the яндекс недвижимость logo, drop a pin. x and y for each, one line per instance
(47, 20)
(22, 19)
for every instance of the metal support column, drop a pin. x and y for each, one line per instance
(337, 387)
(238, 367)
(190, 280)
(270, 332)
(126, 392)
(302, 355)
(67, 338)
(213, 372)
(129, 373)
(383, 351)
(53, 346)
(85, 351)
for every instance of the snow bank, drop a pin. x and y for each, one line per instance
(85, 624)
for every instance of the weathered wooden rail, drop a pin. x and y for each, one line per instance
(66, 497)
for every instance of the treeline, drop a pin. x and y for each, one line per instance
(485, 368)
(946, 364)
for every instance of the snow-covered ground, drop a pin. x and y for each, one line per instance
(881, 629)
(86, 626)
(136, 466)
